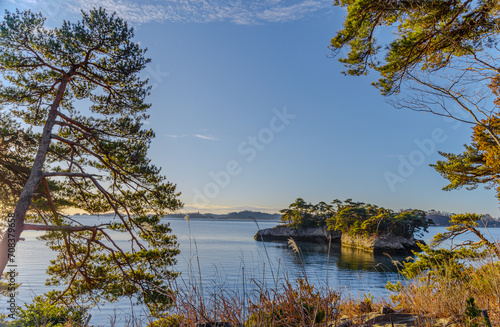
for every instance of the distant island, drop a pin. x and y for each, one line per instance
(443, 219)
(240, 215)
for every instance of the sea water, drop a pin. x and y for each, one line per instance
(226, 256)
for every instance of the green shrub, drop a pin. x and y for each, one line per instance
(170, 321)
(42, 313)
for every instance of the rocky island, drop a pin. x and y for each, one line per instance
(351, 224)
(308, 234)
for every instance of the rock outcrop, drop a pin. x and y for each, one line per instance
(381, 243)
(392, 320)
(310, 234)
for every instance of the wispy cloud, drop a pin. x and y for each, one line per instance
(33, 2)
(205, 11)
(205, 137)
(200, 136)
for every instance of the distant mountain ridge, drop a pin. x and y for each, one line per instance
(443, 219)
(246, 214)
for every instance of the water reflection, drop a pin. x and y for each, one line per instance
(356, 259)
(344, 258)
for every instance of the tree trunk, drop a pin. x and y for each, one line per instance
(33, 181)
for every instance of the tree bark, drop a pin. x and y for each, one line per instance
(33, 181)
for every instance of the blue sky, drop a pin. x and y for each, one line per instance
(251, 112)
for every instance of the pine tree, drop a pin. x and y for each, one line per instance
(94, 159)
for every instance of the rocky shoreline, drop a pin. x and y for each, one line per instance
(391, 318)
(375, 319)
(311, 234)
(382, 243)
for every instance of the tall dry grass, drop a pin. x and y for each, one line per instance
(284, 303)
(445, 295)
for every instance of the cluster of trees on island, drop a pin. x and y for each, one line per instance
(355, 218)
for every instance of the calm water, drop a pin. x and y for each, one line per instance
(227, 256)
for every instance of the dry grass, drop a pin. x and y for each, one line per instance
(286, 303)
(301, 303)
(445, 296)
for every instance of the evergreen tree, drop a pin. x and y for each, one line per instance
(95, 160)
(439, 57)
(432, 56)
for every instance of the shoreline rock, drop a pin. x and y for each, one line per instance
(310, 234)
(382, 243)
(392, 319)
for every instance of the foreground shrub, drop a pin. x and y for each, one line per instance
(445, 291)
(170, 321)
(302, 305)
(43, 313)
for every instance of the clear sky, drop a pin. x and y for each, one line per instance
(251, 111)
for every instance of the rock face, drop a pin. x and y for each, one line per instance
(383, 243)
(376, 244)
(311, 234)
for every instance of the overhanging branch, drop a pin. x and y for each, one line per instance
(68, 174)
(59, 228)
